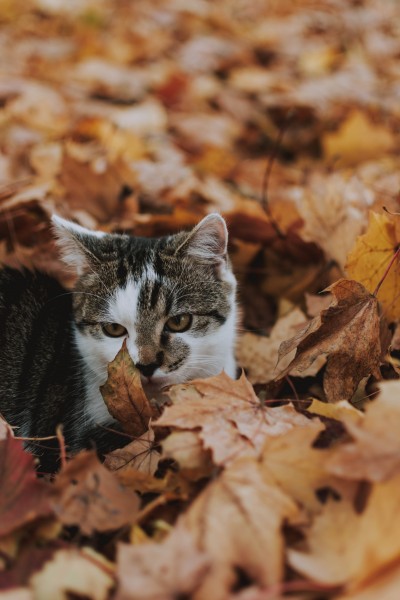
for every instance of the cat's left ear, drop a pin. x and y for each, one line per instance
(208, 241)
(77, 244)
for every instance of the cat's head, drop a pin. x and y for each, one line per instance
(172, 298)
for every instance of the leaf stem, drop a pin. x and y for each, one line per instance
(378, 287)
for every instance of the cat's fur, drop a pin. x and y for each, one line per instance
(54, 354)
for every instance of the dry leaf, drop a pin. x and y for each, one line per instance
(186, 448)
(86, 494)
(348, 143)
(302, 475)
(74, 572)
(374, 453)
(384, 586)
(369, 259)
(344, 547)
(237, 520)
(124, 396)
(23, 497)
(139, 455)
(175, 568)
(348, 334)
(258, 355)
(341, 411)
(335, 211)
(230, 418)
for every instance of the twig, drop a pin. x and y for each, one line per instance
(61, 441)
(267, 174)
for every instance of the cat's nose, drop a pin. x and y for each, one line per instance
(148, 369)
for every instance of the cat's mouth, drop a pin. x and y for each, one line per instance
(154, 383)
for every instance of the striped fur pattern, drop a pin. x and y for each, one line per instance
(54, 359)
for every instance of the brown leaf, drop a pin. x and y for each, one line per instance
(302, 474)
(237, 520)
(23, 497)
(345, 547)
(348, 333)
(76, 573)
(175, 568)
(187, 449)
(374, 453)
(124, 396)
(384, 586)
(258, 355)
(86, 494)
(139, 455)
(230, 418)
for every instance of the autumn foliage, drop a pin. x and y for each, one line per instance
(143, 117)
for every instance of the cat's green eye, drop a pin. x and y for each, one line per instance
(179, 323)
(114, 329)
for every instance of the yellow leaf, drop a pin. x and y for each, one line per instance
(348, 143)
(338, 411)
(369, 259)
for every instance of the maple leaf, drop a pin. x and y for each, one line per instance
(348, 333)
(124, 396)
(23, 496)
(384, 586)
(374, 453)
(237, 521)
(186, 448)
(368, 261)
(345, 547)
(86, 494)
(258, 354)
(335, 223)
(348, 142)
(172, 569)
(139, 455)
(230, 418)
(302, 474)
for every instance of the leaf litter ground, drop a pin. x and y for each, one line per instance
(143, 117)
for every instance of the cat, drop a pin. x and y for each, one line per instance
(172, 299)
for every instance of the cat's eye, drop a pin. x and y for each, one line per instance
(114, 329)
(179, 323)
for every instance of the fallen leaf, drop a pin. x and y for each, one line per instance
(74, 572)
(258, 355)
(384, 586)
(139, 455)
(174, 568)
(86, 494)
(23, 496)
(302, 475)
(374, 453)
(335, 211)
(348, 334)
(369, 259)
(186, 448)
(348, 143)
(340, 411)
(344, 547)
(230, 419)
(237, 520)
(124, 396)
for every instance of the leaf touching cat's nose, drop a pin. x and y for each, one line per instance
(147, 370)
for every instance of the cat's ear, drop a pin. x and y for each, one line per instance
(77, 244)
(208, 241)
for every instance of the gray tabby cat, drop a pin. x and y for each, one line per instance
(172, 298)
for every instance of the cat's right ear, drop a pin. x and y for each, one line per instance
(77, 244)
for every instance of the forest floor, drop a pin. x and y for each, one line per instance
(283, 116)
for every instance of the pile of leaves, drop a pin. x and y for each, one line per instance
(143, 117)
